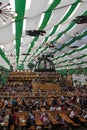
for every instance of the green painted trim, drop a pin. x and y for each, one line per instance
(48, 13)
(19, 24)
(73, 51)
(4, 57)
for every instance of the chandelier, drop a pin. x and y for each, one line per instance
(35, 32)
(44, 64)
(6, 13)
(80, 19)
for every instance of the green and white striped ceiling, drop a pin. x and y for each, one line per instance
(56, 18)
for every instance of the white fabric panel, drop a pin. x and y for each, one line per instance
(56, 16)
(51, 38)
(76, 30)
(84, 51)
(76, 61)
(9, 47)
(24, 49)
(72, 67)
(36, 45)
(56, 54)
(48, 51)
(26, 41)
(84, 65)
(64, 39)
(6, 34)
(66, 50)
(34, 14)
(37, 7)
(84, 40)
(64, 3)
(84, 59)
(63, 27)
(76, 43)
(75, 55)
(80, 11)
(32, 23)
(67, 57)
(25, 66)
(39, 51)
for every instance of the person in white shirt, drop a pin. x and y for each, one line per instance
(38, 128)
(74, 117)
(72, 114)
(85, 116)
(6, 103)
(51, 108)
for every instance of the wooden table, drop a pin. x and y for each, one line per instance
(52, 119)
(68, 120)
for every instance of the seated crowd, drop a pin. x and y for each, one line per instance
(41, 109)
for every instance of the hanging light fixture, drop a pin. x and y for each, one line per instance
(6, 12)
(80, 19)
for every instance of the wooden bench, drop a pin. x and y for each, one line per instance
(82, 120)
(31, 128)
(46, 127)
(12, 127)
(69, 121)
(64, 127)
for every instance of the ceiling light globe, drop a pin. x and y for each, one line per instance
(16, 14)
(4, 22)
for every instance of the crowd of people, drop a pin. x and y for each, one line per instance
(76, 105)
